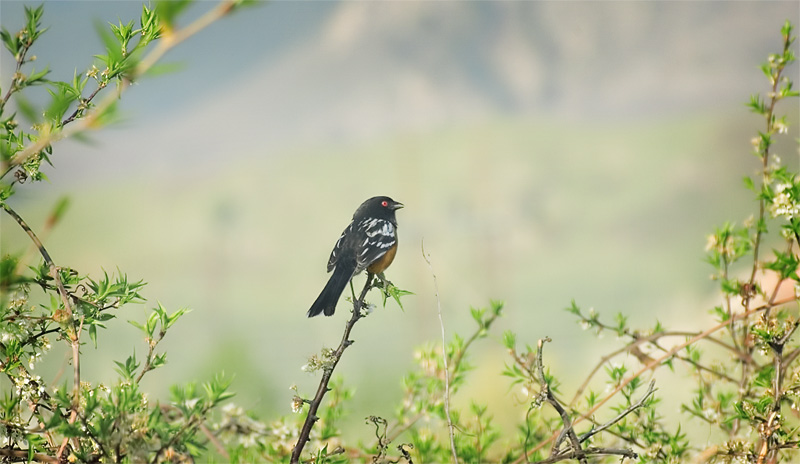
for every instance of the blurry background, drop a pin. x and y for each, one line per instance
(545, 152)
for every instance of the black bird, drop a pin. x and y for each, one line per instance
(369, 242)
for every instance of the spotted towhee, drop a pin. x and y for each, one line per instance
(369, 242)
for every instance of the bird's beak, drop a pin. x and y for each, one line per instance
(397, 205)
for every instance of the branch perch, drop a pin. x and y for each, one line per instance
(311, 417)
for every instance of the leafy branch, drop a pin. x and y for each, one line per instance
(63, 317)
(123, 64)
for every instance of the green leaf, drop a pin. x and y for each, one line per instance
(477, 315)
(37, 78)
(160, 69)
(573, 308)
(173, 318)
(93, 334)
(721, 313)
(169, 10)
(510, 340)
(6, 191)
(10, 41)
(396, 293)
(786, 30)
(58, 211)
(30, 112)
(112, 45)
(150, 325)
(497, 307)
(62, 96)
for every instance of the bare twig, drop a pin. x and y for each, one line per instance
(650, 390)
(547, 394)
(214, 441)
(576, 451)
(311, 417)
(592, 451)
(398, 429)
(450, 427)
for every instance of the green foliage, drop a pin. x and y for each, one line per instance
(43, 304)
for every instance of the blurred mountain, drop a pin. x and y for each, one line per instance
(393, 66)
(301, 74)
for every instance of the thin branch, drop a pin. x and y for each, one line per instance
(87, 430)
(650, 390)
(311, 417)
(15, 79)
(760, 229)
(653, 365)
(728, 306)
(194, 420)
(768, 430)
(791, 356)
(398, 429)
(651, 339)
(84, 104)
(215, 441)
(765, 171)
(582, 454)
(23, 454)
(547, 394)
(698, 366)
(450, 428)
(577, 452)
(459, 356)
(148, 364)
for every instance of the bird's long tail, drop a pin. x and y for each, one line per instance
(326, 301)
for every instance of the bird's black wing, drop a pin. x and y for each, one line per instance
(375, 237)
(345, 239)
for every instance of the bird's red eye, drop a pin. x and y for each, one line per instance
(384, 203)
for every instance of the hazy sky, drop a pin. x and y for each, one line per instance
(298, 73)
